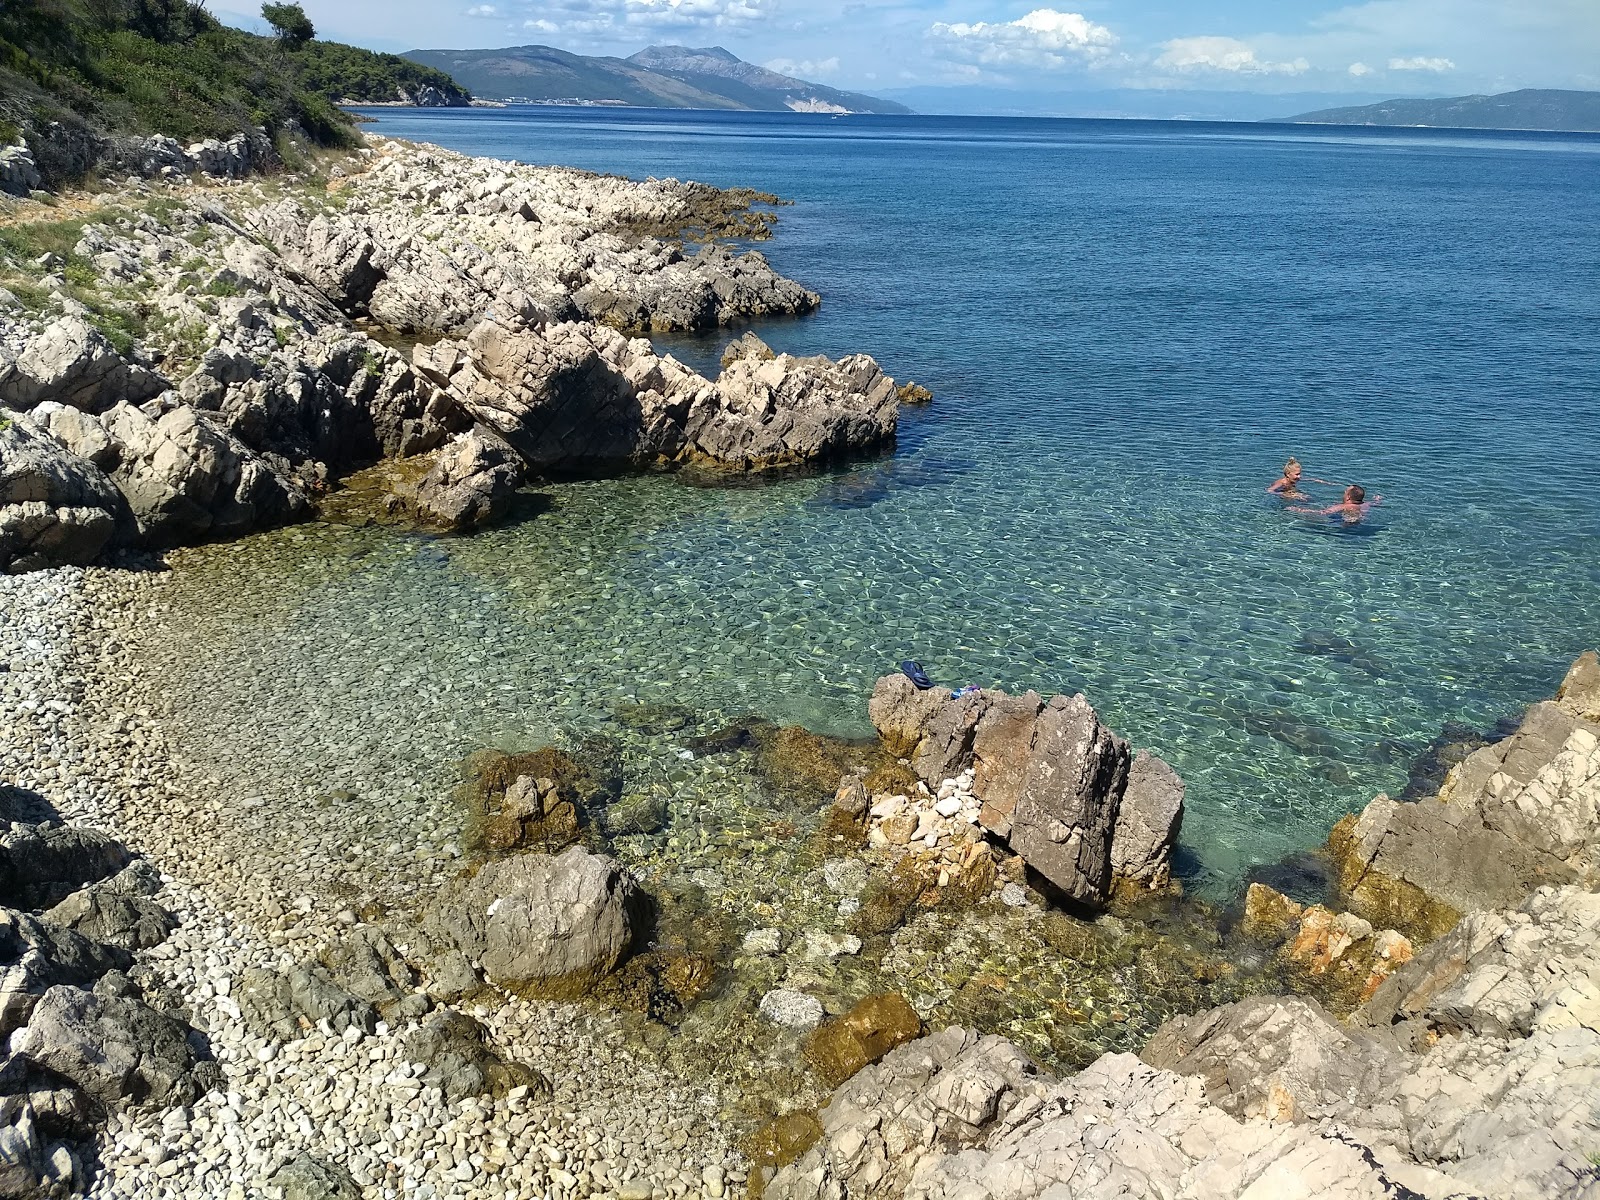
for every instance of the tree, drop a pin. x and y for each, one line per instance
(290, 23)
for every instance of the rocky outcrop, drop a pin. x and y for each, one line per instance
(1062, 789)
(1475, 1071)
(268, 391)
(581, 395)
(55, 508)
(551, 924)
(19, 174)
(1513, 816)
(72, 363)
(185, 477)
(165, 157)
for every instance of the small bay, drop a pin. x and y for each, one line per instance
(1127, 327)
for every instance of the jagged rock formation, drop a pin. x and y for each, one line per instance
(260, 389)
(1066, 793)
(1511, 817)
(583, 395)
(1267, 1097)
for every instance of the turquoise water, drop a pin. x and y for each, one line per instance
(1127, 327)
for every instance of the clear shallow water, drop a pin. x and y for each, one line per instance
(1127, 326)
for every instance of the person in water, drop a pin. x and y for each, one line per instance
(1288, 487)
(1351, 510)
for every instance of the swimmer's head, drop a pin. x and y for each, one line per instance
(1355, 494)
(1291, 469)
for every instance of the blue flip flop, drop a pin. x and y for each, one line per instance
(914, 672)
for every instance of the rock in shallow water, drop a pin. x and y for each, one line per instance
(791, 1009)
(552, 923)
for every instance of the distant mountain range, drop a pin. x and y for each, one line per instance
(1567, 112)
(659, 77)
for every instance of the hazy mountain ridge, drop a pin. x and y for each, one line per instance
(1530, 108)
(657, 77)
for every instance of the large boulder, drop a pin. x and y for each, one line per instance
(117, 1049)
(1148, 822)
(186, 477)
(1066, 814)
(469, 482)
(551, 924)
(1063, 789)
(72, 363)
(1511, 817)
(56, 509)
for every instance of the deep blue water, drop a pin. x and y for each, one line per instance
(1128, 326)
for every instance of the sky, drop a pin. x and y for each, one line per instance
(1392, 47)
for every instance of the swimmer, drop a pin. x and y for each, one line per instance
(1288, 488)
(1351, 510)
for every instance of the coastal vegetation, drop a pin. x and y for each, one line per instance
(170, 67)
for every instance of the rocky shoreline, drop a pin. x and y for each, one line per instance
(233, 971)
(197, 361)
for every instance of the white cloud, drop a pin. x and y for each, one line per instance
(804, 68)
(617, 17)
(1223, 54)
(1358, 69)
(1042, 38)
(1421, 64)
(482, 10)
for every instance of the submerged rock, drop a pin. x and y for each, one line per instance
(862, 1036)
(467, 483)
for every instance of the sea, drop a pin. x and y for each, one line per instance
(1127, 327)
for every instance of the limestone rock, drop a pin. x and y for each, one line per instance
(117, 1049)
(899, 710)
(553, 923)
(185, 477)
(36, 956)
(1067, 811)
(72, 363)
(471, 482)
(791, 1009)
(285, 1006)
(22, 1146)
(114, 918)
(42, 864)
(1580, 690)
(580, 395)
(19, 174)
(1513, 816)
(946, 1090)
(1124, 1129)
(1503, 975)
(1269, 915)
(55, 509)
(1148, 821)
(450, 1046)
(307, 1178)
(1279, 1058)
(1049, 777)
